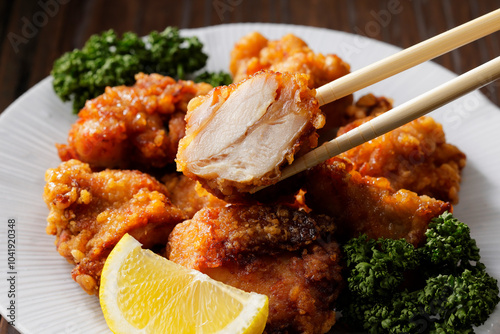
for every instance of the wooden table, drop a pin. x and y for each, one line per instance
(35, 33)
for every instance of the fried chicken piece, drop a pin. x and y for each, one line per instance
(238, 137)
(90, 212)
(132, 127)
(363, 204)
(243, 229)
(189, 195)
(254, 52)
(286, 254)
(301, 288)
(367, 105)
(415, 157)
(347, 112)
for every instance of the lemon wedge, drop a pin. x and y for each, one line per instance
(142, 292)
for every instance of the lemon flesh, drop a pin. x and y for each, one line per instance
(142, 292)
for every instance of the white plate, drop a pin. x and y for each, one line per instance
(49, 301)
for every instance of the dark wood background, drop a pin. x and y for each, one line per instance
(27, 55)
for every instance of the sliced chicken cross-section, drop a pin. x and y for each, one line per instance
(238, 137)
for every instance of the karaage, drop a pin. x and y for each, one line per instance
(254, 52)
(414, 156)
(286, 254)
(189, 195)
(132, 127)
(363, 204)
(366, 105)
(229, 141)
(238, 137)
(90, 212)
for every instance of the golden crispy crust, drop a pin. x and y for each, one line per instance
(189, 195)
(367, 105)
(344, 111)
(253, 53)
(364, 204)
(283, 253)
(216, 235)
(302, 286)
(90, 212)
(415, 157)
(132, 127)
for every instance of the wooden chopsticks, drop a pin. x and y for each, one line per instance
(407, 58)
(414, 108)
(398, 116)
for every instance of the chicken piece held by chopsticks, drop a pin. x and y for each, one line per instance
(238, 137)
